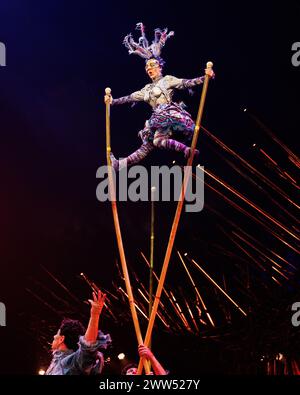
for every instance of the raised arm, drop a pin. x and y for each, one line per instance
(84, 359)
(96, 307)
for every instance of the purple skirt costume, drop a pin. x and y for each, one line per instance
(169, 119)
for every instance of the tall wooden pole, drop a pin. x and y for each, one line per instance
(112, 194)
(152, 236)
(187, 173)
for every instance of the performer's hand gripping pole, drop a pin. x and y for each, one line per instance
(187, 173)
(112, 195)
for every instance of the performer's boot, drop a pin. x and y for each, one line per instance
(132, 159)
(174, 145)
(117, 164)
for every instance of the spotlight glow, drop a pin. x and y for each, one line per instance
(121, 356)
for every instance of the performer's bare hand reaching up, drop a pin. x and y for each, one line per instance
(96, 307)
(97, 303)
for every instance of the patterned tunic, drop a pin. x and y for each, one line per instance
(167, 117)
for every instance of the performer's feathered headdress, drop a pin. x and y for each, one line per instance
(142, 47)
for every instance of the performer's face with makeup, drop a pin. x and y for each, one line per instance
(153, 69)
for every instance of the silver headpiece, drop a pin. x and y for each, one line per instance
(142, 47)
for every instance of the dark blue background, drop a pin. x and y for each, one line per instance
(61, 55)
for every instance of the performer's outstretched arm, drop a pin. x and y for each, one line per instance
(85, 357)
(132, 98)
(182, 83)
(96, 308)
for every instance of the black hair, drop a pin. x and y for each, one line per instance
(71, 330)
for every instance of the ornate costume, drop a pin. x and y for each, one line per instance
(168, 118)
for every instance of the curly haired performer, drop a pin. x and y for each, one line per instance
(167, 117)
(76, 350)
